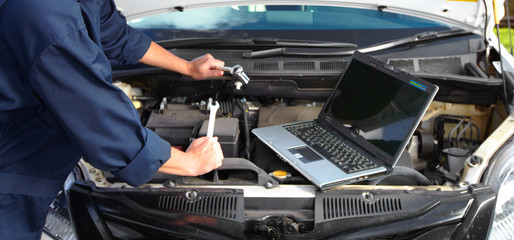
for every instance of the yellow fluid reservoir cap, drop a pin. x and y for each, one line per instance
(137, 104)
(280, 174)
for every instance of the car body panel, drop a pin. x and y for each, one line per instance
(468, 15)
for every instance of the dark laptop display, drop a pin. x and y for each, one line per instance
(361, 131)
(377, 106)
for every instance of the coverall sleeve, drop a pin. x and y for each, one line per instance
(120, 42)
(72, 78)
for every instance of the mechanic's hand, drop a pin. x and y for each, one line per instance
(203, 155)
(205, 66)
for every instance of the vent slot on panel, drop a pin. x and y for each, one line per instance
(403, 64)
(214, 206)
(451, 65)
(265, 66)
(341, 207)
(295, 66)
(333, 65)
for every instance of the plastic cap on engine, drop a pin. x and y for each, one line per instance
(280, 174)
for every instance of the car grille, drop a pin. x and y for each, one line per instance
(342, 207)
(451, 65)
(265, 66)
(214, 206)
(443, 64)
(294, 66)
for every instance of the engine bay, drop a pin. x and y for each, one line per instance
(256, 193)
(175, 108)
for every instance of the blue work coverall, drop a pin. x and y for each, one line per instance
(57, 104)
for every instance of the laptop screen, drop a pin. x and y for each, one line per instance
(376, 105)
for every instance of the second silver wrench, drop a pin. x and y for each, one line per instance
(213, 108)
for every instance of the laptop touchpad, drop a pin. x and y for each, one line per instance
(305, 154)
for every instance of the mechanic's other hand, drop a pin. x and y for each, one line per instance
(203, 155)
(205, 66)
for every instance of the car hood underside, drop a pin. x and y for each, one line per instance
(470, 15)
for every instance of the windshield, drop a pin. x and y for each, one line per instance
(299, 22)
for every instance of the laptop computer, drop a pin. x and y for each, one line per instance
(362, 129)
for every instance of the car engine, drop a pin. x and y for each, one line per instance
(176, 109)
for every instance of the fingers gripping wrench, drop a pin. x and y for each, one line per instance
(237, 71)
(213, 108)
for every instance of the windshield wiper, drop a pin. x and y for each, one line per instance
(420, 37)
(256, 42)
(296, 52)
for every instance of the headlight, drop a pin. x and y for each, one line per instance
(501, 179)
(503, 222)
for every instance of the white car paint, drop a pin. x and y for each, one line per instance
(466, 14)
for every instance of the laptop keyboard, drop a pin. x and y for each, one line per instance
(331, 146)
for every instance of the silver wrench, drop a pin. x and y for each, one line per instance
(237, 71)
(212, 106)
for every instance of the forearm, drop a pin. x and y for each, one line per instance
(157, 56)
(180, 163)
(198, 68)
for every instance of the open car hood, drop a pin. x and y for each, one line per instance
(470, 15)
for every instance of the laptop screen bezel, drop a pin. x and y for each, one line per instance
(330, 120)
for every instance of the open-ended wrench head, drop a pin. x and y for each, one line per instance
(212, 105)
